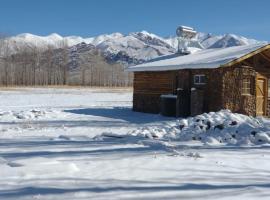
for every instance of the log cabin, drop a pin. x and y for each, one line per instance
(234, 78)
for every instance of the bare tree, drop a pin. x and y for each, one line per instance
(5, 53)
(32, 65)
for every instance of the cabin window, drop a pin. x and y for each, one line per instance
(246, 86)
(199, 79)
(268, 86)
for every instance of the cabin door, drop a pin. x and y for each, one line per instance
(261, 95)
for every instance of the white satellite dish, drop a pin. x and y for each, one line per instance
(185, 34)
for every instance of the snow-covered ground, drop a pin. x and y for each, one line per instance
(88, 144)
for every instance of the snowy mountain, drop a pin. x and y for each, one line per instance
(230, 40)
(134, 48)
(139, 45)
(207, 40)
(53, 40)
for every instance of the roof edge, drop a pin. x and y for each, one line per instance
(244, 57)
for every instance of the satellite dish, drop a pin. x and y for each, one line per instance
(185, 34)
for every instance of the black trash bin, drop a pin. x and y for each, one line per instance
(168, 105)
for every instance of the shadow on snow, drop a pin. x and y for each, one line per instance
(26, 191)
(120, 113)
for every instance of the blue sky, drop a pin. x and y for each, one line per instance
(249, 18)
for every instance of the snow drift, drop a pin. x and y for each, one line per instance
(214, 128)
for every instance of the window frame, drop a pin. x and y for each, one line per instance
(246, 89)
(200, 79)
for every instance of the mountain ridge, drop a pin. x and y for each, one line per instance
(132, 48)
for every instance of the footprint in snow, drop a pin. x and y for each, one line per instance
(3, 161)
(13, 164)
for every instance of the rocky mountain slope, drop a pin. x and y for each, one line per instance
(134, 48)
(95, 61)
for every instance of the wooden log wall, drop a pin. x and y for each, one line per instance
(148, 86)
(221, 91)
(232, 97)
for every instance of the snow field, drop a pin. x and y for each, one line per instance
(88, 144)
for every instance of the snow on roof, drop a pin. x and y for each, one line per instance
(208, 58)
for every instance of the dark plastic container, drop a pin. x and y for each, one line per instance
(183, 103)
(168, 105)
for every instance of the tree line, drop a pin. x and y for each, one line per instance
(34, 66)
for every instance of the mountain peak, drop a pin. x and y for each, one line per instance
(55, 36)
(116, 34)
(146, 33)
(132, 48)
(25, 35)
(229, 40)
